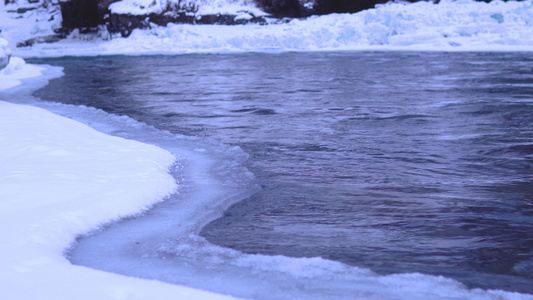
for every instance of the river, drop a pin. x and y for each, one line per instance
(393, 161)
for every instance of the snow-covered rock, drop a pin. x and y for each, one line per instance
(5, 53)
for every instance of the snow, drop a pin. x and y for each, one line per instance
(463, 25)
(16, 27)
(16, 70)
(59, 179)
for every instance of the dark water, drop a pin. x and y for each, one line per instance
(400, 162)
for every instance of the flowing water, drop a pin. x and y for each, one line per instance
(395, 161)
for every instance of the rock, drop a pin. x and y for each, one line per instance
(4, 61)
(281, 8)
(164, 19)
(22, 10)
(83, 13)
(42, 39)
(306, 8)
(5, 54)
(126, 23)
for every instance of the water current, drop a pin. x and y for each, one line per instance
(394, 161)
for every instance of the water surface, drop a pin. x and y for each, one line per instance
(399, 162)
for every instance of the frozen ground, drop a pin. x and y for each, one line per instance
(462, 25)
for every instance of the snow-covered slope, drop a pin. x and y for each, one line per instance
(450, 26)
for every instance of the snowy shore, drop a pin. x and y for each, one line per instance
(59, 179)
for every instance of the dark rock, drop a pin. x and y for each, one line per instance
(126, 23)
(164, 19)
(42, 39)
(305, 8)
(22, 10)
(217, 19)
(281, 8)
(346, 6)
(4, 61)
(80, 13)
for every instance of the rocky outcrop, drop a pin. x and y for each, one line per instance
(42, 39)
(125, 23)
(89, 14)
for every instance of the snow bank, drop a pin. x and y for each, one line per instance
(463, 25)
(59, 179)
